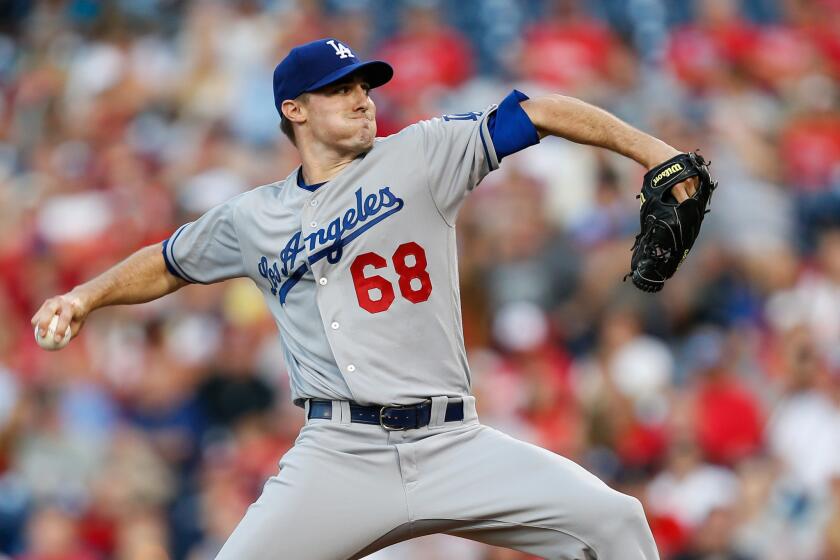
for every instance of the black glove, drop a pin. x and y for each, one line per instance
(669, 228)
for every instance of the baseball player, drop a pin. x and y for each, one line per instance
(355, 254)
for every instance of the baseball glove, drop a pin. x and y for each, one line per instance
(669, 228)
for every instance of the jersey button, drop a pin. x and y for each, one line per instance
(334, 326)
(313, 224)
(313, 203)
(351, 368)
(323, 281)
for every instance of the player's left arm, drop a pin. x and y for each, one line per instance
(583, 123)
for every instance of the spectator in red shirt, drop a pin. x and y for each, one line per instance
(728, 419)
(810, 144)
(818, 21)
(697, 52)
(568, 51)
(780, 56)
(432, 58)
(53, 536)
(523, 334)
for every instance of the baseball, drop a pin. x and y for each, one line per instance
(49, 342)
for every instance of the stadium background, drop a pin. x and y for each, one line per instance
(717, 402)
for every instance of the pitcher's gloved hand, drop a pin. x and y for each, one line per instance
(669, 227)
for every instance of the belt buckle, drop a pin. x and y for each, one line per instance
(386, 426)
(403, 407)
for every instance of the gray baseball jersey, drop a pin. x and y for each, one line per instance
(359, 273)
(361, 276)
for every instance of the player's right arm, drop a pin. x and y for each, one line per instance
(204, 251)
(140, 278)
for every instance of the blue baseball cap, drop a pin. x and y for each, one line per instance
(317, 64)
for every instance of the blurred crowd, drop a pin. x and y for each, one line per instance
(715, 402)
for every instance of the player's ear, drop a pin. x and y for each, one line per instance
(294, 110)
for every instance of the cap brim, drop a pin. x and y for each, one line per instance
(376, 72)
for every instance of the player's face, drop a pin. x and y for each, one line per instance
(343, 115)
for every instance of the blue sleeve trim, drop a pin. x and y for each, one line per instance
(169, 266)
(510, 128)
(169, 258)
(484, 144)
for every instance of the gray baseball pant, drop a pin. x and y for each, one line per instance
(347, 490)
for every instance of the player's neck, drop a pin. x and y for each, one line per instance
(323, 165)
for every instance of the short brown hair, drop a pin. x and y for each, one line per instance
(286, 127)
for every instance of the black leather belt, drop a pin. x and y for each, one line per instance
(392, 418)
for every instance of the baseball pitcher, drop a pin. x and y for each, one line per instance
(355, 254)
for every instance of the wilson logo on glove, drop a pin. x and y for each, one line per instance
(676, 168)
(668, 228)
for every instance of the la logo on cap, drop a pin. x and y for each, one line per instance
(341, 50)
